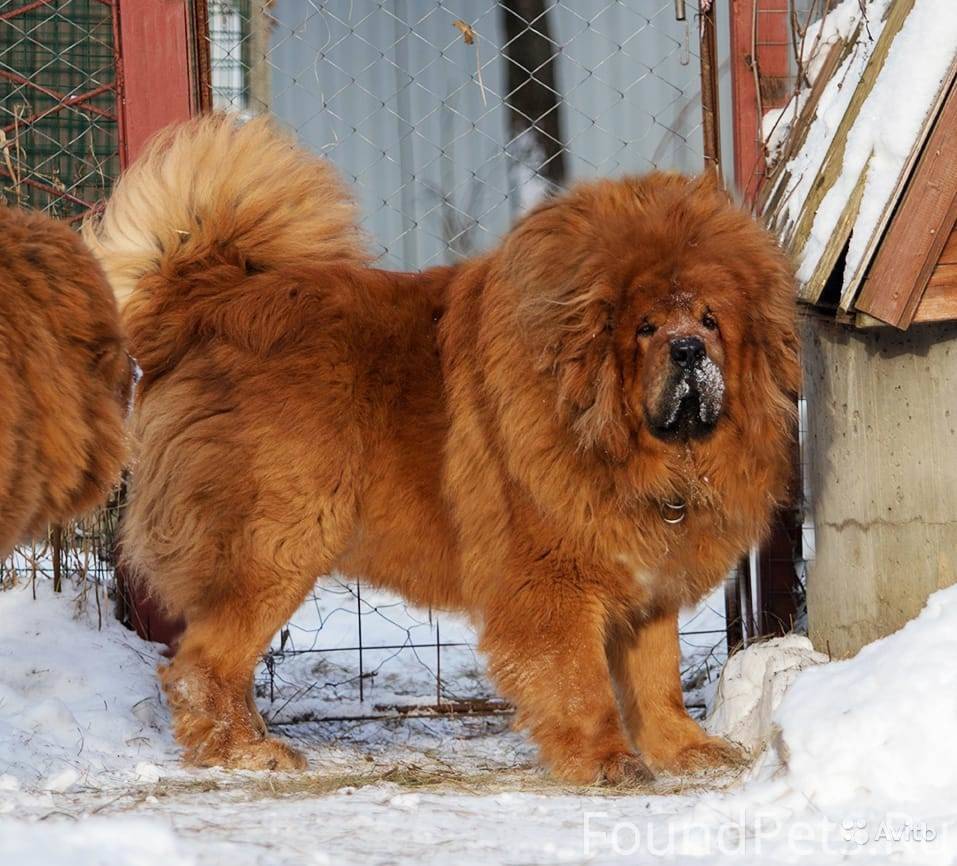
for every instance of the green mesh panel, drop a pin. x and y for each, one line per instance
(60, 152)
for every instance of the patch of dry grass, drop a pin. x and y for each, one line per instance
(413, 777)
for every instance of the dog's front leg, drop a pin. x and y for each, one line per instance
(545, 641)
(646, 665)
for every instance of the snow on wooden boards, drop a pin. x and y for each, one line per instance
(918, 253)
(857, 138)
(833, 169)
(852, 282)
(779, 174)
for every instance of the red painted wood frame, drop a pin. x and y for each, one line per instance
(155, 67)
(760, 80)
(760, 73)
(158, 86)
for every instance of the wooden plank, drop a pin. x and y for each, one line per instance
(833, 165)
(944, 279)
(948, 255)
(832, 252)
(920, 226)
(744, 94)
(157, 86)
(919, 229)
(751, 22)
(939, 301)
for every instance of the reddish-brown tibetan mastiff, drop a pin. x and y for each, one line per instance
(64, 377)
(568, 438)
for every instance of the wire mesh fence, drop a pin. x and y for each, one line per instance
(79, 557)
(59, 152)
(450, 119)
(59, 142)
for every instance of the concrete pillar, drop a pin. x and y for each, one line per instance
(882, 464)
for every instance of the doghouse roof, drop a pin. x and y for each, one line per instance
(863, 183)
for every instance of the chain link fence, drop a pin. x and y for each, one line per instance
(59, 142)
(452, 118)
(59, 152)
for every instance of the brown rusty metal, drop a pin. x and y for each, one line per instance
(199, 45)
(710, 117)
(66, 100)
(47, 188)
(29, 7)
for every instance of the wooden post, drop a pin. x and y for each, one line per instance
(710, 113)
(759, 79)
(56, 550)
(882, 406)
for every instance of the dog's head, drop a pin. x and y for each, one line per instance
(659, 307)
(678, 368)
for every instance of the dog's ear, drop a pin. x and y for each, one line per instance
(571, 338)
(566, 311)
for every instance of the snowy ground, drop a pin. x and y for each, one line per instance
(862, 765)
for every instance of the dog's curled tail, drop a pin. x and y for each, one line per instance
(215, 191)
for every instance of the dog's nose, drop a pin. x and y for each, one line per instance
(687, 351)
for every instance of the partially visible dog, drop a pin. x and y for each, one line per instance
(64, 377)
(568, 438)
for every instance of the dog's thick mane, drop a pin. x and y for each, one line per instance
(570, 436)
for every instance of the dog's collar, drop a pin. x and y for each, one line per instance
(673, 512)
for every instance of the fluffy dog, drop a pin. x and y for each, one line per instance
(568, 438)
(64, 377)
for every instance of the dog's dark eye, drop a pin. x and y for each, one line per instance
(646, 329)
(709, 321)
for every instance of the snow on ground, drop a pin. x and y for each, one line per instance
(862, 765)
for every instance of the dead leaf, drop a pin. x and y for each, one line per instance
(468, 34)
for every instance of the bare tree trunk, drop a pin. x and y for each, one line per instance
(534, 105)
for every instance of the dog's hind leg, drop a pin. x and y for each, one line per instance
(258, 721)
(207, 684)
(646, 667)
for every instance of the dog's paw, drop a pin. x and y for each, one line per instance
(625, 769)
(266, 754)
(711, 753)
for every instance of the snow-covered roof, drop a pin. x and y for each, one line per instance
(847, 144)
